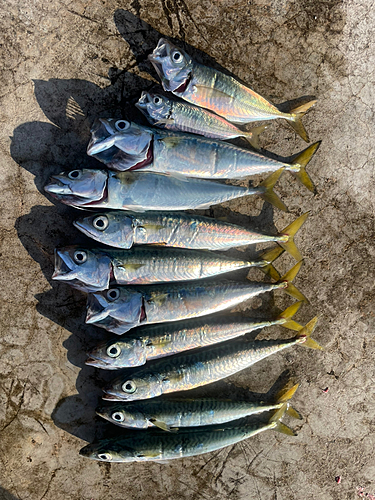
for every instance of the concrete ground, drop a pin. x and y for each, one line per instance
(66, 62)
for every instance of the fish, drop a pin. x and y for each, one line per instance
(179, 116)
(157, 341)
(186, 371)
(121, 229)
(121, 308)
(146, 191)
(194, 156)
(211, 89)
(96, 268)
(160, 446)
(170, 414)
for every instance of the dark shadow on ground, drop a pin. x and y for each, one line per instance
(5, 495)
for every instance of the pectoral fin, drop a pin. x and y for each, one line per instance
(211, 93)
(162, 425)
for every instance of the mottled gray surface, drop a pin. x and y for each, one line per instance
(66, 62)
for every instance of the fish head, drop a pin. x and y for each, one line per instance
(155, 107)
(123, 304)
(113, 228)
(79, 187)
(108, 451)
(118, 143)
(126, 415)
(81, 268)
(134, 386)
(172, 64)
(115, 354)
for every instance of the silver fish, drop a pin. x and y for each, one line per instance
(157, 446)
(208, 88)
(122, 308)
(186, 371)
(179, 116)
(88, 188)
(157, 341)
(169, 414)
(94, 269)
(124, 229)
(193, 156)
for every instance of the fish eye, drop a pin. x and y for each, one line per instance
(113, 351)
(75, 174)
(80, 256)
(157, 100)
(118, 416)
(104, 456)
(177, 56)
(100, 222)
(113, 294)
(122, 125)
(129, 387)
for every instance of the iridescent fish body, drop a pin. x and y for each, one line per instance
(179, 116)
(89, 188)
(122, 308)
(124, 229)
(157, 445)
(157, 341)
(94, 269)
(189, 155)
(168, 414)
(214, 90)
(186, 371)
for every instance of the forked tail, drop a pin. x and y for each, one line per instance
(287, 279)
(284, 396)
(299, 163)
(290, 232)
(304, 335)
(277, 425)
(295, 121)
(267, 192)
(286, 316)
(253, 135)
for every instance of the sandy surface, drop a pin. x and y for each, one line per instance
(65, 63)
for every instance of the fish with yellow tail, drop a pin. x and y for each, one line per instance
(214, 90)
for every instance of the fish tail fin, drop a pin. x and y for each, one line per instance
(300, 161)
(290, 231)
(278, 426)
(287, 279)
(288, 314)
(268, 193)
(267, 257)
(304, 335)
(284, 396)
(296, 119)
(253, 135)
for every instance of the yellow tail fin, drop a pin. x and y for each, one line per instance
(289, 313)
(267, 257)
(268, 194)
(300, 160)
(305, 335)
(284, 396)
(279, 426)
(296, 121)
(290, 231)
(290, 289)
(253, 135)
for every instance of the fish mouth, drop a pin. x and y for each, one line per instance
(57, 185)
(111, 397)
(79, 225)
(97, 363)
(161, 51)
(102, 136)
(144, 100)
(62, 270)
(95, 310)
